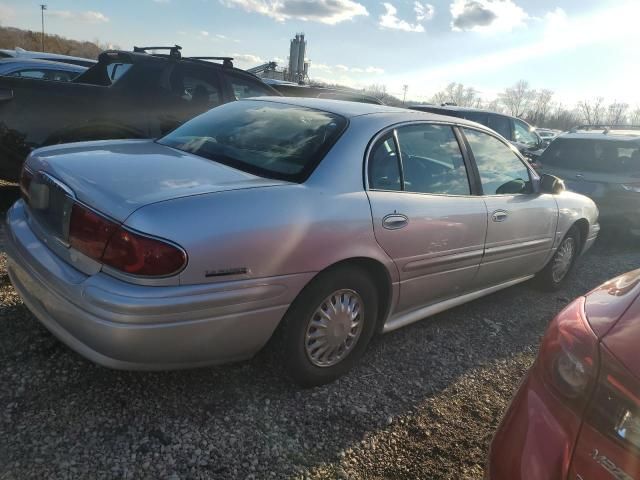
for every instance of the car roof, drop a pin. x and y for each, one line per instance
(28, 54)
(349, 109)
(604, 135)
(37, 61)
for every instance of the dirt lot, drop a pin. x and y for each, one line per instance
(423, 404)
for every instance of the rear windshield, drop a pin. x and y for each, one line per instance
(269, 139)
(594, 155)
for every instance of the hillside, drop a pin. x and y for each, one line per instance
(29, 40)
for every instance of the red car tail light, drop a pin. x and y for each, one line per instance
(108, 242)
(569, 356)
(89, 232)
(139, 255)
(25, 182)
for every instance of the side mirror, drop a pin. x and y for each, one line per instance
(551, 184)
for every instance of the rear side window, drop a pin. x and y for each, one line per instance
(593, 155)
(384, 165)
(246, 87)
(500, 124)
(197, 87)
(270, 139)
(501, 171)
(432, 161)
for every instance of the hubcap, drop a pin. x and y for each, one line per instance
(334, 328)
(563, 259)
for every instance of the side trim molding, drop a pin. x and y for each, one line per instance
(403, 319)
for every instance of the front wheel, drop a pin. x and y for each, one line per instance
(557, 270)
(328, 327)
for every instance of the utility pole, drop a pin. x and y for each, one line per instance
(404, 93)
(43, 7)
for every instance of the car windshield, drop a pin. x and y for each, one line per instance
(270, 139)
(593, 155)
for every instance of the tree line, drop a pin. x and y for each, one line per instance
(11, 38)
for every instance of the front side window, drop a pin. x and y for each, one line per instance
(432, 161)
(501, 171)
(37, 74)
(384, 165)
(245, 87)
(198, 88)
(523, 134)
(270, 139)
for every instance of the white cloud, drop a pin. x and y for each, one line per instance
(344, 68)
(247, 59)
(424, 11)
(321, 66)
(487, 15)
(204, 33)
(89, 16)
(329, 12)
(390, 20)
(339, 69)
(376, 70)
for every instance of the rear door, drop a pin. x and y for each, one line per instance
(425, 214)
(521, 223)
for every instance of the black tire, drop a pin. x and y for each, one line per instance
(546, 279)
(289, 342)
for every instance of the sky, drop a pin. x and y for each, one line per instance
(580, 49)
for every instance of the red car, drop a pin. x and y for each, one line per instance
(577, 414)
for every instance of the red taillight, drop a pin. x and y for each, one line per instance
(569, 356)
(89, 232)
(140, 255)
(25, 182)
(129, 252)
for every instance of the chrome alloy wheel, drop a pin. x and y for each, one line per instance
(563, 259)
(334, 328)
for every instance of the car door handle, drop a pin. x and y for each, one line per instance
(499, 216)
(394, 221)
(5, 94)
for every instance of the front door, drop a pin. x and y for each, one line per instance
(425, 215)
(521, 224)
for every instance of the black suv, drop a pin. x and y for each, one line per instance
(522, 135)
(125, 95)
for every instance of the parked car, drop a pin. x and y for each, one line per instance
(522, 135)
(125, 95)
(290, 89)
(604, 164)
(256, 217)
(577, 413)
(22, 54)
(40, 69)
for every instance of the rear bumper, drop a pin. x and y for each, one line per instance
(536, 437)
(125, 326)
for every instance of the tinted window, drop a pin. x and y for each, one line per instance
(269, 139)
(500, 124)
(197, 87)
(586, 154)
(479, 117)
(522, 134)
(431, 160)
(384, 167)
(501, 171)
(37, 74)
(246, 87)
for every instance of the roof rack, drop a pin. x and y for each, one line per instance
(174, 52)
(605, 127)
(226, 61)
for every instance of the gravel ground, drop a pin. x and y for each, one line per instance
(423, 403)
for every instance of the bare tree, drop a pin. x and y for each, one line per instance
(592, 111)
(617, 113)
(516, 99)
(540, 106)
(458, 94)
(634, 117)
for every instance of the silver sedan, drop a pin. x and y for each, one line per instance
(308, 224)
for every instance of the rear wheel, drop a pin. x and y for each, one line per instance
(559, 267)
(328, 327)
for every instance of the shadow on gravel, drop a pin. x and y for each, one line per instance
(62, 416)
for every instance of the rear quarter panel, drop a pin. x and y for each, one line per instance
(571, 208)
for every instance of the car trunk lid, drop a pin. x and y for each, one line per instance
(118, 177)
